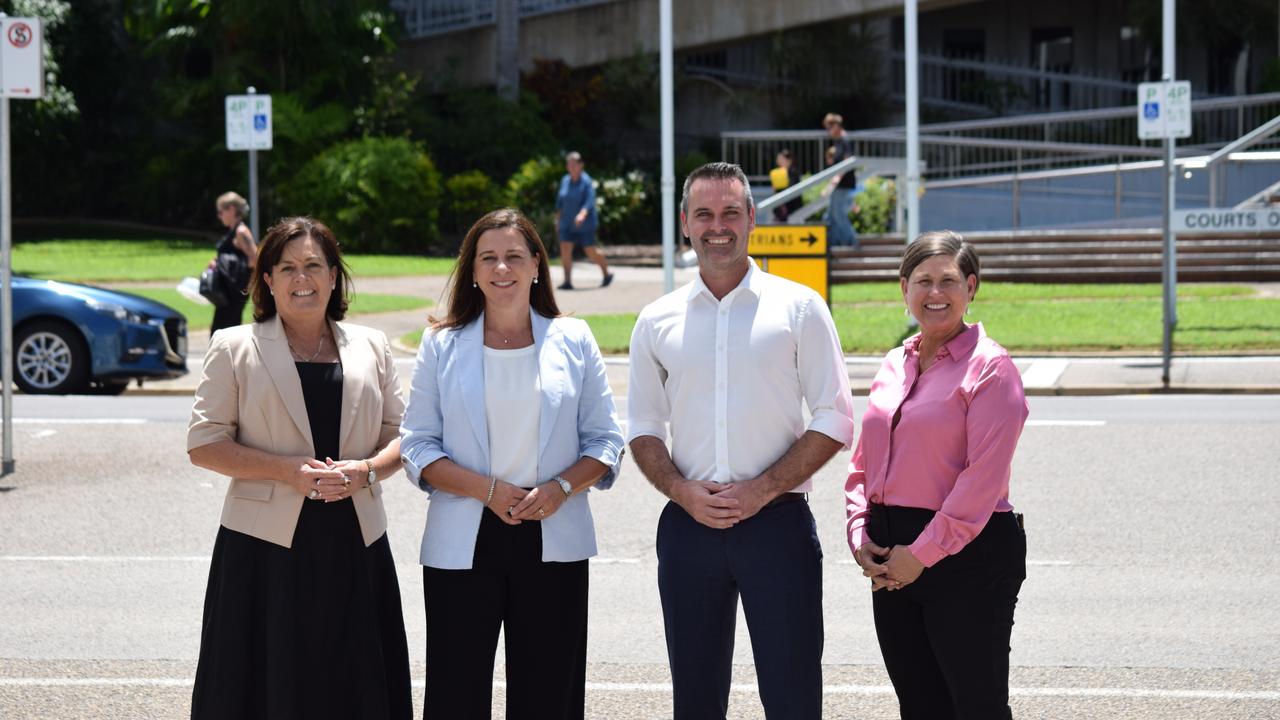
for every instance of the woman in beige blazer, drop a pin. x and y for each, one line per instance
(302, 616)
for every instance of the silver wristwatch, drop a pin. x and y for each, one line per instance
(373, 474)
(564, 485)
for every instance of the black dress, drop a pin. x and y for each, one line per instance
(315, 631)
(230, 315)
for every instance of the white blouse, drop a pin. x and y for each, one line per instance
(513, 404)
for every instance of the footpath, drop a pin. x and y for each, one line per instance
(634, 287)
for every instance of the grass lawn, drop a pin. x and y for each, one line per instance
(199, 316)
(1038, 318)
(140, 259)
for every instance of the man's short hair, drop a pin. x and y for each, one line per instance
(832, 119)
(574, 156)
(717, 171)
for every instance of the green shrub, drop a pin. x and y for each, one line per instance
(874, 206)
(532, 189)
(622, 204)
(469, 195)
(378, 194)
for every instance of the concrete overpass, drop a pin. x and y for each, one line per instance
(592, 34)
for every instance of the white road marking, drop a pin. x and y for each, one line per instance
(80, 421)
(104, 558)
(1044, 373)
(1066, 423)
(1082, 692)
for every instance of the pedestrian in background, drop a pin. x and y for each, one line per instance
(576, 220)
(782, 177)
(302, 615)
(929, 521)
(238, 243)
(510, 422)
(729, 362)
(841, 187)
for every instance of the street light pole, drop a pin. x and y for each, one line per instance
(1170, 201)
(667, 93)
(913, 120)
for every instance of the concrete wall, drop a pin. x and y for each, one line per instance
(598, 33)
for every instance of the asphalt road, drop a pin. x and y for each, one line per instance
(1151, 593)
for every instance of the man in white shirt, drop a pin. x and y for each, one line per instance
(729, 361)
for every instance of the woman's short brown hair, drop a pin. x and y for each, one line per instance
(466, 301)
(941, 242)
(272, 249)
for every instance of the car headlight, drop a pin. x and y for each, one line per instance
(116, 311)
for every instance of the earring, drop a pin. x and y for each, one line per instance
(273, 292)
(473, 284)
(906, 312)
(535, 279)
(333, 286)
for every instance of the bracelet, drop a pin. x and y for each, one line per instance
(493, 482)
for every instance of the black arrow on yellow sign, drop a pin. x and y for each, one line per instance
(812, 239)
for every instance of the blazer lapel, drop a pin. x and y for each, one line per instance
(551, 373)
(470, 360)
(352, 368)
(274, 349)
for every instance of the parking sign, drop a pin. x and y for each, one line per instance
(1164, 110)
(248, 122)
(21, 58)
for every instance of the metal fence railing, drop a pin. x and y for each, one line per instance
(424, 18)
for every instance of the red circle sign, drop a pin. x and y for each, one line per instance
(20, 35)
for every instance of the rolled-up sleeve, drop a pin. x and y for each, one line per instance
(993, 424)
(855, 500)
(215, 414)
(599, 436)
(422, 432)
(648, 409)
(824, 379)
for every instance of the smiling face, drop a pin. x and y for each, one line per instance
(937, 293)
(302, 281)
(504, 267)
(718, 223)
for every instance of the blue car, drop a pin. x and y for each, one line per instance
(72, 338)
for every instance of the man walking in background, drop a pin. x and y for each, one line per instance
(576, 221)
(840, 230)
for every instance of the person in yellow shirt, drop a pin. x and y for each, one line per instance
(782, 177)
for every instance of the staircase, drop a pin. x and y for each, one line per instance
(1048, 256)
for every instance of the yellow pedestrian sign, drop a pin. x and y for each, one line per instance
(795, 252)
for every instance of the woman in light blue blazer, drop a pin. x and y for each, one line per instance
(510, 421)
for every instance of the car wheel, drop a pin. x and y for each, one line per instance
(50, 358)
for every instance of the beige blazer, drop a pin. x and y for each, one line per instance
(250, 392)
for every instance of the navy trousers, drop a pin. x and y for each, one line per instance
(774, 562)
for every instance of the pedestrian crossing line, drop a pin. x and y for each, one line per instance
(619, 687)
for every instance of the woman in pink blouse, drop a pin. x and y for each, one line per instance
(929, 518)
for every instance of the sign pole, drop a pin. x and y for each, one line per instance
(1170, 200)
(253, 187)
(910, 13)
(666, 92)
(7, 464)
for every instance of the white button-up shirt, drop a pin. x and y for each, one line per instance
(731, 377)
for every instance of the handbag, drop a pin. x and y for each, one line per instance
(225, 282)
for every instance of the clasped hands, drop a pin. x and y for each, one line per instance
(330, 480)
(720, 505)
(514, 504)
(889, 568)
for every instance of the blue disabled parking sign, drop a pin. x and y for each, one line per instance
(1151, 110)
(259, 122)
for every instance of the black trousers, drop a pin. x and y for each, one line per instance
(542, 606)
(945, 637)
(774, 562)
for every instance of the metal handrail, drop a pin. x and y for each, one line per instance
(817, 178)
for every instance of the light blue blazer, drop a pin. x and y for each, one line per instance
(446, 418)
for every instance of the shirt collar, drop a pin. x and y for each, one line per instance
(957, 347)
(751, 282)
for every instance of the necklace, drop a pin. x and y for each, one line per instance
(298, 356)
